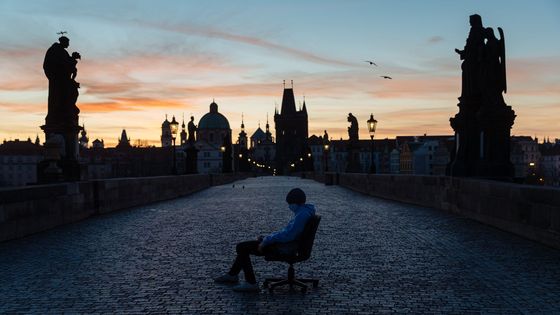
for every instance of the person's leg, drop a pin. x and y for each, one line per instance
(243, 260)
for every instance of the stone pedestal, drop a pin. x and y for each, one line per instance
(482, 140)
(192, 160)
(495, 123)
(353, 158)
(63, 138)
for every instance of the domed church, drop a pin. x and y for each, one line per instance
(212, 134)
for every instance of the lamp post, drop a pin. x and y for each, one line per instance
(174, 128)
(372, 124)
(326, 154)
(223, 150)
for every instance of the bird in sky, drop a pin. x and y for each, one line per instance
(386, 77)
(371, 62)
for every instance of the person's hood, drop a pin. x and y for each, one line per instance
(305, 207)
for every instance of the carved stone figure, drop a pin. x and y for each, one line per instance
(192, 131)
(471, 56)
(60, 69)
(353, 129)
(492, 78)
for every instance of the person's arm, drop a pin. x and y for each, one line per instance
(290, 232)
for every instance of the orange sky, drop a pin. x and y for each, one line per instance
(139, 67)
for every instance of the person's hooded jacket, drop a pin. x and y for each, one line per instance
(302, 213)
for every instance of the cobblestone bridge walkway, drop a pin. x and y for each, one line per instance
(371, 256)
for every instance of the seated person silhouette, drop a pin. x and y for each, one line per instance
(280, 242)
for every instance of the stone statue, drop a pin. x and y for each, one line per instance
(60, 69)
(483, 125)
(326, 137)
(192, 130)
(353, 129)
(471, 56)
(493, 76)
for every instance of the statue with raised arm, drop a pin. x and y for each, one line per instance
(353, 129)
(471, 56)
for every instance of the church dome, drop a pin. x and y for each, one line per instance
(213, 119)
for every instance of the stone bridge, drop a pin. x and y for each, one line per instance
(371, 256)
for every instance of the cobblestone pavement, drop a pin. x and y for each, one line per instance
(371, 256)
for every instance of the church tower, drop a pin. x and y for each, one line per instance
(291, 134)
(165, 133)
(242, 139)
(183, 133)
(124, 141)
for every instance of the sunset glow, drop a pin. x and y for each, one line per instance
(142, 60)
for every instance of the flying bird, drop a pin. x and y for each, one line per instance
(371, 62)
(386, 77)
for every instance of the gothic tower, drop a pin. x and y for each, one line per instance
(291, 134)
(165, 133)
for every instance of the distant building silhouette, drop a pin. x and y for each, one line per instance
(183, 133)
(213, 130)
(124, 141)
(166, 140)
(18, 162)
(98, 144)
(263, 148)
(291, 134)
(83, 140)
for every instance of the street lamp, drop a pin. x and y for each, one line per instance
(174, 128)
(372, 124)
(326, 154)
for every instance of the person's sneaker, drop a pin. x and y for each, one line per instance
(246, 287)
(227, 278)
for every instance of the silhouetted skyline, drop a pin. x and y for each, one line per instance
(143, 60)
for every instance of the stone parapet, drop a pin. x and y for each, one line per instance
(31, 209)
(529, 211)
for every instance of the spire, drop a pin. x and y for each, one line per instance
(304, 108)
(267, 125)
(288, 102)
(242, 123)
(183, 124)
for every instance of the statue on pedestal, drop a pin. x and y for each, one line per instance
(483, 124)
(62, 117)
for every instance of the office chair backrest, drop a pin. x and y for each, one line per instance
(308, 237)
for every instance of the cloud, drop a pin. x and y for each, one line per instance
(248, 40)
(130, 104)
(435, 39)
